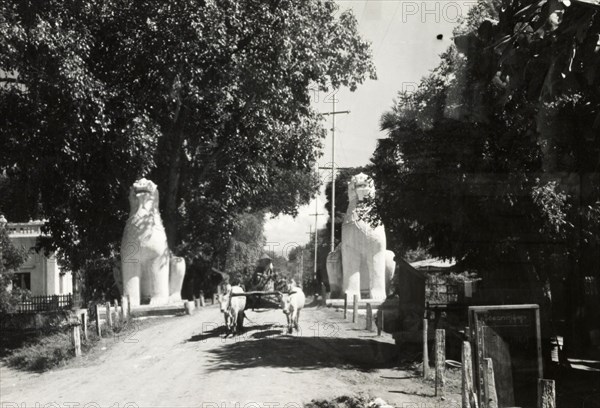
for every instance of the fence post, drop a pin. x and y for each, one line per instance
(440, 361)
(188, 307)
(489, 385)
(546, 394)
(201, 299)
(84, 323)
(323, 294)
(117, 314)
(124, 308)
(425, 350)
(98, 327)
(345, 305)
(469, 400)
(369, 317)
(76, 338)
(379, 321)
(109, 321)
(354, 308)
(213, 298)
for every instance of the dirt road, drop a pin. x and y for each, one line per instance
(185, 361)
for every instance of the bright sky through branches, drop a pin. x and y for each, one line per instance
(405, 44)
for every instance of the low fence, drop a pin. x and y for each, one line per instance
(52, 303)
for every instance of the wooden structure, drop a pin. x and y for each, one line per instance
(510, 336)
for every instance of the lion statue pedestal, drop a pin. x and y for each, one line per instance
(149, 271)
(361, 262)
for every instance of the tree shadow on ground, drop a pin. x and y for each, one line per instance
(205, 335)
(315, 303)
(221, 331)
(308, 353)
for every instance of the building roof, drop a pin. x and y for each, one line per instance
(433, 263)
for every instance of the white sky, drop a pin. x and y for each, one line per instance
(405, 48)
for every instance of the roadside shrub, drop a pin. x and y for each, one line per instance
(43, 353)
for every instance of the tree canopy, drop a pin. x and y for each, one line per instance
(209, 99)
(494, 159)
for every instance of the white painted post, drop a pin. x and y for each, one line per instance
(84, 323)
(369, 317)
(98, 326)
(128, 306)
(109, 320)
(345, 305)
(124, 308)
(117, 314)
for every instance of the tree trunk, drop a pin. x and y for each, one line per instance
(174, 164)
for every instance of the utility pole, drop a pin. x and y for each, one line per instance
(310, 233)
(316, 215)
(333, 113)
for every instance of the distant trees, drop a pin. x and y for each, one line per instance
(494, 159)
(210, 100)
(245, 247)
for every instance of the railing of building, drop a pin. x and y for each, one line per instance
(51, 303)
(32, 228)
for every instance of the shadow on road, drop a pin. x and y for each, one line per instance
(205, 335)
(220, 331)
(304, 353)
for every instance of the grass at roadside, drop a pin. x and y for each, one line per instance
(46, 351)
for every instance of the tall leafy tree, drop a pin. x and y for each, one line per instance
(209, 99)
(494, 159)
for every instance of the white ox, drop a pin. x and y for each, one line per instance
(232, 308)
(292, 303)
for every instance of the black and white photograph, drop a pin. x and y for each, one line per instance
(299, 203)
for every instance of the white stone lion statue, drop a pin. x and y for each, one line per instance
(149, 271)
(361, 262)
